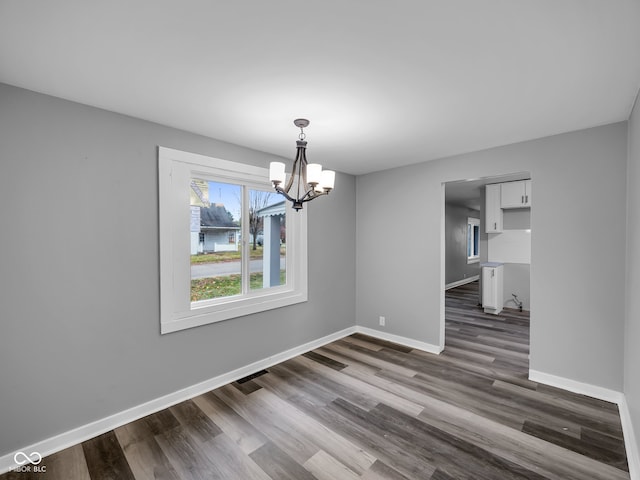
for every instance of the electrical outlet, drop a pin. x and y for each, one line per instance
(382, 321)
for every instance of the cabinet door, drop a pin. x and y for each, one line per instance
(499, 286)
(489, 287)
(493, 211)
(512, 195)
(527, 193)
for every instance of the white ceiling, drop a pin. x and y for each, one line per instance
(383, 83)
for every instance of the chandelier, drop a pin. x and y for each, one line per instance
(307, 180)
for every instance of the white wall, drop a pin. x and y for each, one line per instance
(632, 332)
(577, 249)
(79, 288)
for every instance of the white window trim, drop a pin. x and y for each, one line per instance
(177, 312)
(475, 222)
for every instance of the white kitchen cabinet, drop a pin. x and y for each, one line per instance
(493, 209)
(492, 287)
(515, 194)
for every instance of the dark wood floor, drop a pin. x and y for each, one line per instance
(361, 408)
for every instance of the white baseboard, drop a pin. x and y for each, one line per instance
(464, 281)
(93, 429)
(630, 441)
(574, 386)
(407, 342)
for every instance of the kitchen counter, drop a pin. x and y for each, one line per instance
(491, 264)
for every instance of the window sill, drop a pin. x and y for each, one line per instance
(233, 308)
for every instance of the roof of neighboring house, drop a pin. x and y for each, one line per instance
(275, 209)
(217, 216)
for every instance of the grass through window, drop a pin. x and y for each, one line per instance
(215, 287)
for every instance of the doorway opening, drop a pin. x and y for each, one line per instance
(480, 230)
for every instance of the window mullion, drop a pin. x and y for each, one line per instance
(246, 240)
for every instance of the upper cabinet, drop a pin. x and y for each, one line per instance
(501, 196)
(515, 194)
(493, 211)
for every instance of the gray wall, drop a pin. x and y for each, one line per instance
(457, 267)
(79, 288)
(517, 276)
(632, 332)
(577, 287)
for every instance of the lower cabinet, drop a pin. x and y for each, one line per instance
(492, 287)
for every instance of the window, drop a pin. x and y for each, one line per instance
(473, 240)
(229, 245)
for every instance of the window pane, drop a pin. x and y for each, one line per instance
(268, 239)
(469, 239)
(476, 240)
(216, 253)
